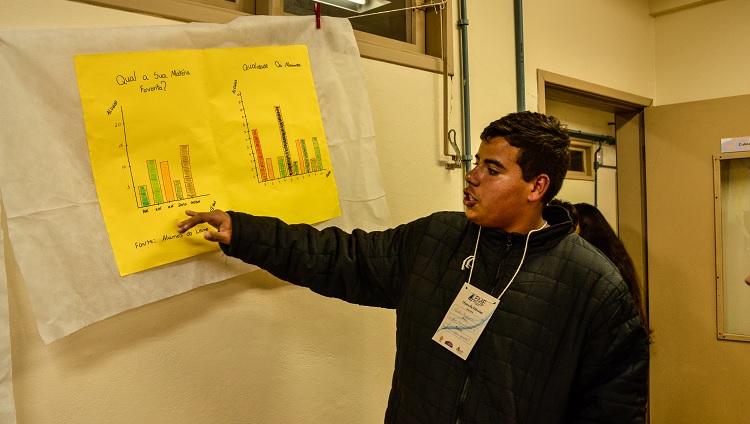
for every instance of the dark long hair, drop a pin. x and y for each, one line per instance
(595, 229)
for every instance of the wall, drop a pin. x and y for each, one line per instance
(701, 53)
(609, 43)
(197, 358)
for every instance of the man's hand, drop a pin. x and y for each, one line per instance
(218, 219)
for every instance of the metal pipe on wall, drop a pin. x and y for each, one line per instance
(520, 76)
(449, 136)
(463, 23)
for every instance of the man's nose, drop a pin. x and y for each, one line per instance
(471, 177)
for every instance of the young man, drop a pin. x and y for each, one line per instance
(504, 315)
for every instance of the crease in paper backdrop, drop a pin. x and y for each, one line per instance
(233, 128)
(55, 223)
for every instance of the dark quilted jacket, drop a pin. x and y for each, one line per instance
(565, 344)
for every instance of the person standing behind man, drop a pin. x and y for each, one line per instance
(564, 343)
(594, 228)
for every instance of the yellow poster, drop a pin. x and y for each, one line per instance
(233, 129)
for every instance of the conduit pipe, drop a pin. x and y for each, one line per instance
(458, 158)
(520, 76)
(463, 23)
(448, 134)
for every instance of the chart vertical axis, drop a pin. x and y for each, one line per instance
(247, 135)
(127, 154)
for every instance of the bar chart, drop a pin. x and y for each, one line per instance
(155, 185)
(291, 161)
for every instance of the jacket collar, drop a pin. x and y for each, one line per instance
(559, 226)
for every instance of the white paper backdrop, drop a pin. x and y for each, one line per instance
(54, 221)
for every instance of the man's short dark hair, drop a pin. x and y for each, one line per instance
(543, 143)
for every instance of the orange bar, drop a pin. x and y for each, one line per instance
(259, 151)
(302, 168)
(269, 168)
(166, 180)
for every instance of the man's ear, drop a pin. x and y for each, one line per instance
(539, 188)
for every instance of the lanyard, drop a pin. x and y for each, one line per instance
(471, 309)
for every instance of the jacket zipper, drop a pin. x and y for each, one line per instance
(496, 288)
(464, 393)
(467, 379)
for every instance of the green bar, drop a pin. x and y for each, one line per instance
(282, 167)
(317, 153)
(153, 177)
(144, 196)
(178, 189)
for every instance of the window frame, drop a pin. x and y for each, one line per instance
(426, 55)
(725, 312)
(587, 149)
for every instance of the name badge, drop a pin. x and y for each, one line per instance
(465, 320)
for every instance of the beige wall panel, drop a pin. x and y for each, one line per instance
(695, 378)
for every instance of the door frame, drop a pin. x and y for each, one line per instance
(630, 135)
